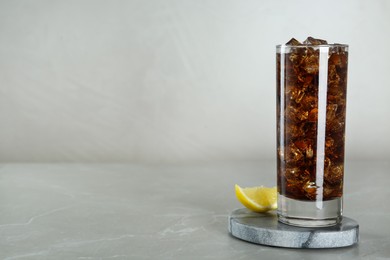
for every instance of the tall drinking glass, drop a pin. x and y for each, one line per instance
(311, 105)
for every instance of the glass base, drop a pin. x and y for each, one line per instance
(309, 213)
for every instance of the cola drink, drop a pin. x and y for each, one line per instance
(311, 108)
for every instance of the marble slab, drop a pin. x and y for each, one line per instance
(265, 229)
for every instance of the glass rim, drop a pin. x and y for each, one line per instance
(279, 46)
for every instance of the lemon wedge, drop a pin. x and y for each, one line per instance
(258, 199)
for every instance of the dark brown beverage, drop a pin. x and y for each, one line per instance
(311, 105)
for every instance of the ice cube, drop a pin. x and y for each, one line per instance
(329, 142)
(337, 125)
(292, 173)
(306, 147)
(294, 156)
(313, 114)
(314, 41)
(293, 42)
(295, 58)
(338, 59)
(328, 192)
(295, 114)
(305, 79)
(334, 175)
(297, 95)
(296, 176)
(311, 63)
(331, 112)
(294, 131)
(309, 102)
(309, 152)
(301, 144)
(310, 189)
(333, 76)
(296, 153)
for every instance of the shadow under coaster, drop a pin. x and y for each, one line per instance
(265, 229)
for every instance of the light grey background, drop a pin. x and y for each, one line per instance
(174, 81)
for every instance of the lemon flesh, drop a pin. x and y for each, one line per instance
(258, 199)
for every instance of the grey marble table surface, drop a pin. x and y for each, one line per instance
(141, 211)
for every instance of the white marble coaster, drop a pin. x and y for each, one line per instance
(265, 229)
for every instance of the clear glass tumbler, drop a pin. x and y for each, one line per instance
(311, 106)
